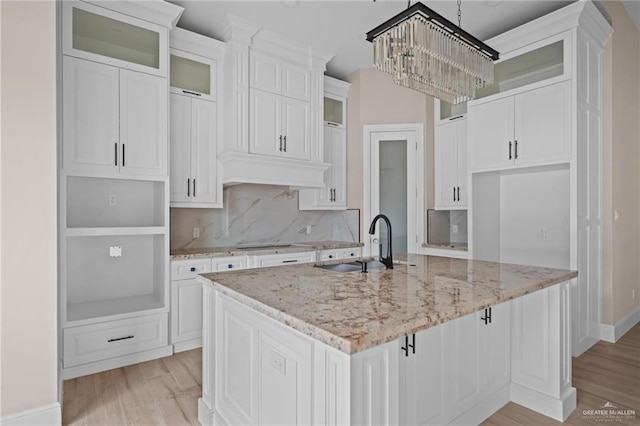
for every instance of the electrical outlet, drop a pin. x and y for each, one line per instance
(279, 362)
(543, 232)
(633, 293)
(308, 229)
(196, 232)
(115, 251)
(112, 200)
(455, 229)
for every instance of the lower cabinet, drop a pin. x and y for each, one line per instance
(336, 254)
(281, 259)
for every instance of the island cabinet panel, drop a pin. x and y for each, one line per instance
(375, 385)
(464, 363)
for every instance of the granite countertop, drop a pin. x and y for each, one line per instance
(353, 311)
(194, 253)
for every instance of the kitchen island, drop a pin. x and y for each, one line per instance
(433, 341)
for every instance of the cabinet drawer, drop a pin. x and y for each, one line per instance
(350, 252)
(285, 259)
(220, 264)
(116, 338)
(326, 255)
(186, 269)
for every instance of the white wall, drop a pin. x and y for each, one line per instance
(28, 193)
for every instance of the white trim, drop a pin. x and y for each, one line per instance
(418, 220)
(205, 413)
(485, 409)
(613, 332)
(121, 361)
(187, 345)
(50, 414)
(556, 408)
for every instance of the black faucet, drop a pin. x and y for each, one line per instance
(387, 261)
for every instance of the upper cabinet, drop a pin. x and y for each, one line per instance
(529, 128)
(102, 35)
(273, 91)
(195, 80)
(334, 195)
(114, 120)
(450, 149)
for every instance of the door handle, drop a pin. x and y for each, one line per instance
(194, 187)
(510, 150)
(285, 143)
(123, 163)
(516, 151)
(454, 193)
(280, 146)
(188, 187)
(115, 146)
(458, 193)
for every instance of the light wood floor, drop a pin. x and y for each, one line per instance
(165, 391)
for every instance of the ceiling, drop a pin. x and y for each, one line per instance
(339, 27)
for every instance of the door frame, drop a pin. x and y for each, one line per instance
(415, 218)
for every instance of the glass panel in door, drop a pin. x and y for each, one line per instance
(393, 194)
(190, 75)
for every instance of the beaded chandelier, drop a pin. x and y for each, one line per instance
(426, 52)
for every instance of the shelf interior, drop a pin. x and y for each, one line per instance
(97, 202)
(104, 308)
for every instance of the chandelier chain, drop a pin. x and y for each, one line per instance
(459, 14)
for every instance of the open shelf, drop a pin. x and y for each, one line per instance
(103, 203)
(123, 230)
(82, 311)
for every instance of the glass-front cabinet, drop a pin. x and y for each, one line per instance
(100, 35)
(335, 112)
(192, 75)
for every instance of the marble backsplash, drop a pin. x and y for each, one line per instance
(260, 215)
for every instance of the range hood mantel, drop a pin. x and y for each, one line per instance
(239, 167)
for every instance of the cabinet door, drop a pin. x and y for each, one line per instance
(446, 164)
(464, 365)
(180, 148)
(495, 349)
(325, 195)
(339, 167)
(542, 124)
(90, 106)
(186, 310)
(204, 164)
(265, 73)
(461, 181)
(295, 128)
(264, 123)
(295, 81)
(491, 130)
(143, 124)
(425, 377)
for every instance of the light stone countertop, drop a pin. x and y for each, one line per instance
(353, 311)
(194, 253)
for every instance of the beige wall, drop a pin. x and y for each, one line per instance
(375, 99)
(28, 249)
(621, 159)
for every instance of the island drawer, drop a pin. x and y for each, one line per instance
(282, 259)
(345, 253)
(96, 342)
(187, 269)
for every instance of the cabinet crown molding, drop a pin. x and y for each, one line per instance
(567, 18)
(158, 12)
(286, 48)
(239, 30)
(335, 86)
(196, 43)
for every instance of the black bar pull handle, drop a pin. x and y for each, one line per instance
(458, 193)
(487, 316)
(516, 156)
(188, 187)
(406, 346)
(115, 146)
(123, 163)
(285, 143)
(510, 158)
(290, 261)
(194, 187)
(454, 193)
(280, 146)
(117, 339)
(191, 93)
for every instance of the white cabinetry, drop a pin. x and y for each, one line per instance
(450, 147)
(529, 128)
(334, 195)
(266, 260)
(114, 194)
(535, 140)
(194, 114)
(114, 120)
(275, 75)
(336, 254)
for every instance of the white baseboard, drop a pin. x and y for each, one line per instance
(121, 361)
(187, 346)
(50, 414)
(613, 332)
(485, 409)
(557, 409)
(205, 413)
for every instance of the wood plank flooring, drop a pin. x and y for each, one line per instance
(165, 391)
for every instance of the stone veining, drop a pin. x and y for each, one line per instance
(354, 311)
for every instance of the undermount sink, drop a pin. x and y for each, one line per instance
(352, 266)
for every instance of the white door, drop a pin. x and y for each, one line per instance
(180, 148)
(491, 134)
(143, 124)
(295, 128)
(204, 165)
(542, 124)
(186, 310)
(393, 190)
(90, 105)
(265, 135)
(446, 164)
